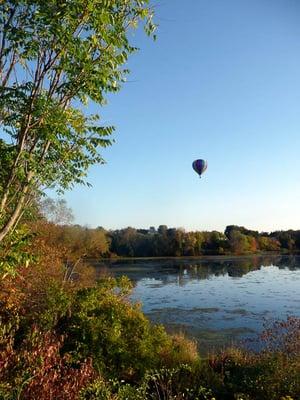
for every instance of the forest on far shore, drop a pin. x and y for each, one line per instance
(176, 242)
(161, 241)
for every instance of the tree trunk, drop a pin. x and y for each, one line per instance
(9, 225)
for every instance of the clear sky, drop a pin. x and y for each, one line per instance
(222, 82)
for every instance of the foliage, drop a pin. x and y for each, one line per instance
(176, 383)
(51, 329)
(77, 339)
(38, 293)
(162, 384)
(74, 241)
(69, 245)
(13, 251)
(230, 375)
(78, 244)
(55, 56)
(164, 241)
(35, 368)
(270, 374)
(90, 243)
(123, 343)
(96, 322)
(283, 336)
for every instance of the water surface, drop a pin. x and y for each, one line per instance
(217, 301)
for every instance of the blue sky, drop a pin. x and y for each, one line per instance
(222, 82)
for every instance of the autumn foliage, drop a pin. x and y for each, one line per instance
(36, 369)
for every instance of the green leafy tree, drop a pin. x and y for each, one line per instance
(55, 57)
(239, 242)
(268, 244)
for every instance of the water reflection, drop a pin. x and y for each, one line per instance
(216, 300)
(188, 269)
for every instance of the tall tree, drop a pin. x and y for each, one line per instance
(55, 56)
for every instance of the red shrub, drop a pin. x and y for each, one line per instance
(36, 369)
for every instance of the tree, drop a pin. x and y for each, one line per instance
(162, 229)
(73, 244)
(55, 56)
(266, 243)
(56, 211)
(239, 242)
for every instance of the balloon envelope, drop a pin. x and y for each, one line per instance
(199, 166)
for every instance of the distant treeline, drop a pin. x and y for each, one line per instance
(173, 242)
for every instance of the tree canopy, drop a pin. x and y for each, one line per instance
(55, 57)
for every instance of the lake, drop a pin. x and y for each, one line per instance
(216, 300)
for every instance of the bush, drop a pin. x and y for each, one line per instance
(176, 383)
(104, 325)
(35, 369)
(68, 340)
(271, 374)
(180, 351)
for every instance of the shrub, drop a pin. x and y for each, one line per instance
(271, 374)
(104, 325)
(35, 369)
(180, 351)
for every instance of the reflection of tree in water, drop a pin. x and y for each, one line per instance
(242, 268)
(199, 271)
(183, 271)
(204, 270)
(234, 267)
(290, 262)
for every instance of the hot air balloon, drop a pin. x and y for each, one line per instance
(199, 166)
